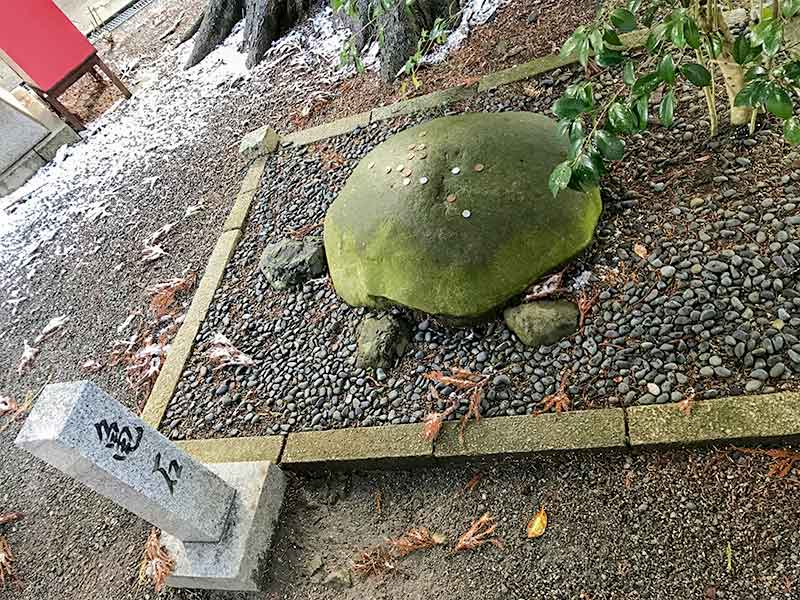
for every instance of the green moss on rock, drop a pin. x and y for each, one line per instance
(413, 244)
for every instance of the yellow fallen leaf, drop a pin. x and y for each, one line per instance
(640, 250)
(537, 524)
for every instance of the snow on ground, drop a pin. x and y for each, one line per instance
(474, 13)
(170, 108)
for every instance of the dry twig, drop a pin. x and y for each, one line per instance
(479, 533)
(586, 302)
(465, 382)
(156, 562)
(301, 232)
(52, 326)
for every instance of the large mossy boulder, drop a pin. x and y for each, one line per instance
(454, 217)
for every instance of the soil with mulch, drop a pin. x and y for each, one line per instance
(519, 31)
(690, 290)
(687, 524)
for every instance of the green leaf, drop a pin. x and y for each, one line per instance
(696, 74)
(583, 52)
(790, 8)
(667, 109)
(751, 95)
(677, 34)
(612, 40)
(791, 70)
(641, 109)
(779, 103)
(570, 47)
(692, 33)
(633, 5)
(755, 72)
(666, 69)
(791, 130)
(621, 118)
(610, 146)
(610, 58)
(596, 40)
(568, 108)
(768, 33)
(587, 171)
(646, 85)
(560, 178)
(628, 75)
(655, 37)
(624, 20)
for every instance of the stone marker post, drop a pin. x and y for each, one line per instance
(80, 430)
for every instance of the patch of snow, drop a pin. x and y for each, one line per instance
(171, 107)
(474, 13)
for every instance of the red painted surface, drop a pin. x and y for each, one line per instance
(41, 41)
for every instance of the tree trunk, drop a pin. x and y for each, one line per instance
(218, 21)
(265, 21)
(734, 82)
(401, 29)
(193, 29)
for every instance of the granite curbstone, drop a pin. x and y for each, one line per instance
(765, 417)
(580, 430)
(398, 446)
(181, 346)
(230, 450)
(237, 217)
(328, 130)
(426, 102)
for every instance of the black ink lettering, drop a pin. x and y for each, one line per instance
(122, 440)
(173, 469)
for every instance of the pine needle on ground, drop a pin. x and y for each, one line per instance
(480, 532)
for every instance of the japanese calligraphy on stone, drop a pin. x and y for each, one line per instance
(121, 439)
(171, 474)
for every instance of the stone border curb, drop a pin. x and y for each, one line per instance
(227, 450)
(391, 445)
(764, 417)
(241, 208)
(181, 346)
(508, 436)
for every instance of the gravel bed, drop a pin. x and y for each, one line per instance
(694, 273)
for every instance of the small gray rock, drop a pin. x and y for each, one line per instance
(381, 341)
(291, 262)
(542, 323)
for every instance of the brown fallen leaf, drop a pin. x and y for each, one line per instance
(479, 533)
(537, 524)
(783, 459)
(156, 562)
(416, 539)
(7, 571)
(640, 250)
(10, 517)
(374, 561)
(473, 482)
